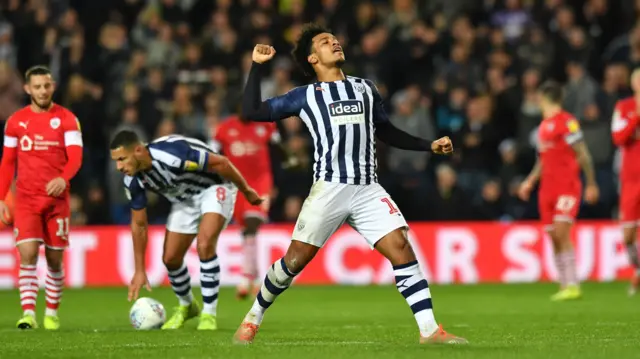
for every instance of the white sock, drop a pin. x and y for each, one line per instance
(210, 284)
(415, 290)
(277, 280)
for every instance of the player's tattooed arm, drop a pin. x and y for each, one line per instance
(591, 193)
(586, 163)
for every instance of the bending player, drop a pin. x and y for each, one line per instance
(561, 154)
(45, 141)
(343, 114)
(624, 129)
(246, 144)
(202, 186)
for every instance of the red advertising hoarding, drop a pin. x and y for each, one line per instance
(449, 253)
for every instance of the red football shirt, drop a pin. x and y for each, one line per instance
(556, 136)
(41, 140)
(626, 135)
(246, 144)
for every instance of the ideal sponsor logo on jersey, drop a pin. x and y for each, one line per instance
(346, 112)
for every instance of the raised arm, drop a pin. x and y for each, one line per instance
(274, 109)
(253, 108)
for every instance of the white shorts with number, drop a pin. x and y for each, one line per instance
(185, 216)
(367, 208)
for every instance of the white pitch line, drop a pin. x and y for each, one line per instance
(316, 343)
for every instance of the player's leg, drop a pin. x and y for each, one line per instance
(216, 205)
(629, 215)
(248, 247)
(29, 235)
(251, 217)
(182, 226)
(28, 282)
(630, 235)
(56, 240)
(377, 218)
(250, 253)
(323, 212)
(53, 286)
(565, 211)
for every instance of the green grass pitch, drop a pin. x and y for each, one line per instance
(501, 321)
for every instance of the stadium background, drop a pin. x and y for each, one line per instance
(463, 68)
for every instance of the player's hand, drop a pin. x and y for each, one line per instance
(442, 146)
(524, 191)
(138, 281)
(4, 213)
(56, 186)
(592, 194)
(252, 196)
(263, 53)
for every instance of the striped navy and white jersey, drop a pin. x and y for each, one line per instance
(178, 172)
(341, 117)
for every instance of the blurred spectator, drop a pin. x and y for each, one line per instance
(478, 144)
(447, 201)
(11, 92)
(581, 89)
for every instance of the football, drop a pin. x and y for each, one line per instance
(146, 314)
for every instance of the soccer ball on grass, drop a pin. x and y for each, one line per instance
(147, 313)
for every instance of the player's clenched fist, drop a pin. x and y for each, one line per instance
(263, 53)
(442, 146)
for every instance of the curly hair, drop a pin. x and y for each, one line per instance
(303, 46)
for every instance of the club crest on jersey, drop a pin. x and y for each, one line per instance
(16, 232)
(360, 88)
(55, 123)
(346, 112)
(190, 166)
(573, 125)
(260, 131)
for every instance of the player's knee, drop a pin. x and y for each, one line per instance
(299, 255)
(172, 261)
(629, 235)
(396, 247)
(29, 253)
(54, 261)
(206, 248)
